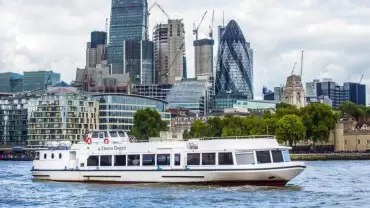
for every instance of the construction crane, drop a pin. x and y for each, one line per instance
(151, 7)
(362, 76)
(164, 12)
(295, 64)
(211, 26)
(173, 61)
(196, 29)
(106, 30)
(301, 64)
(147, 20)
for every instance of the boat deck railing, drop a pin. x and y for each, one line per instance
(238, 137)
(209, 138)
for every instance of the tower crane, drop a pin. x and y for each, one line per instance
(362, 76)
(164, 12)
(151, 7)
(147, 19)
(173, 61)
(301, 64)
(295, 64)
(196, 29)
(211, 26)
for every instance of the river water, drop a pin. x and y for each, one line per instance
(322, 184)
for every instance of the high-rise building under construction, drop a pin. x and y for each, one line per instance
(169, 44)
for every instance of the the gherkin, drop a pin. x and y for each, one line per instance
(234, 74)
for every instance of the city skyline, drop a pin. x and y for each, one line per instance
(32, 38)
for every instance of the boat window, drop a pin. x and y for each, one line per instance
(286, 155)
(149, 160)
(45, 156)
(60, 155)
(120, 160)
(37, 157)
(133, 160)
(95, 134)
(277, 156)
(208, 158)
(225, 158)
(93, 161)
(263, 157)
(244, 158)
(177, 159)
(163, 159)
(193, 159)
(113, 134)
(121, 134)
(102, 135)
(52, 155)
(106, 160)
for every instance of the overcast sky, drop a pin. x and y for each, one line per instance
(335, 34)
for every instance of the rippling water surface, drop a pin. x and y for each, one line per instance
(323, 184)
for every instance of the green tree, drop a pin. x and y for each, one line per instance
(148, 123)
(198, 129)
(290, 129)
(186, 135)
(283, 105)
(215, 125)
(352, 109)
(281, 112)
(265, 126)
(234, 126)
(319, 119)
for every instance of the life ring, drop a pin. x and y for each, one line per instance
(88, 140)
(106, 141)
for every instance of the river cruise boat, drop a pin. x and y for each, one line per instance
(115, 157)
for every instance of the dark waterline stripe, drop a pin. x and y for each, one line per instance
(175, 170)
(200, 183)
(182, 176)
(88, 176)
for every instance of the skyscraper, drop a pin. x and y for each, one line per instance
(234, 74)
(169, 41)
(138, 61)
(349, 91)
(128, 21)
(96, 49)
(203, 56)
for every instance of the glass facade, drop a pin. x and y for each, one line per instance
(225, 101)
(139, 61)
(154, 91)
(11, 82)
(117, 111)
(353, 92)
(39, 80)
(235, 63)
(194, 95)
(128, 21)
(98, 38)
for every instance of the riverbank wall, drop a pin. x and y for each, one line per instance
(330, 156)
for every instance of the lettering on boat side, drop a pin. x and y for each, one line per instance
(112, 148)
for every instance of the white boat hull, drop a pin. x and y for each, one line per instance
(273, 176)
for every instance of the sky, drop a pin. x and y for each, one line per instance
(335, 35)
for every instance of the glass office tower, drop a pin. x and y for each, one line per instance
(234, 74)
(128, 21)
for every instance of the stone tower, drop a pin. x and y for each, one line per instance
(294, 93)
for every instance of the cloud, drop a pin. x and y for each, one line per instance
(44, 34)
